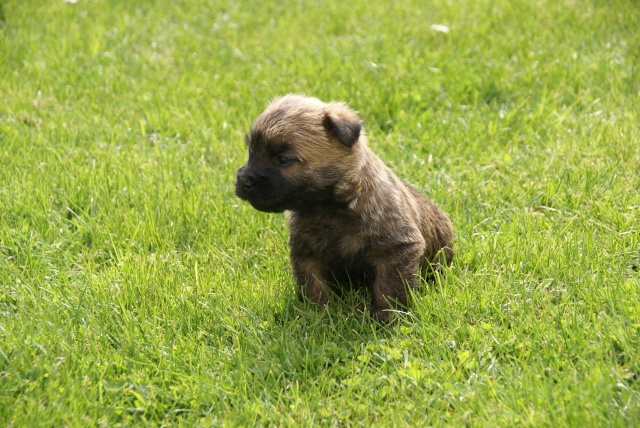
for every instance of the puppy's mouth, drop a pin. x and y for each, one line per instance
(265, 206)
(275, 195)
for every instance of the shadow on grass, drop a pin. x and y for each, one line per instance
(345, 322)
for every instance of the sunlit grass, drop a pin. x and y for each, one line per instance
(135, 288)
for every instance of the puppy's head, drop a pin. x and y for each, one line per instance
(299, 149)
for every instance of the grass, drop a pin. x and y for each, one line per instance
(135, 289)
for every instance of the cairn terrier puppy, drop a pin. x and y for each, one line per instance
(351, 220)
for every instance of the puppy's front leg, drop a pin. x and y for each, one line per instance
(389, 289)
(311, 276)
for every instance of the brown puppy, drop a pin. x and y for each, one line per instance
(351, 220)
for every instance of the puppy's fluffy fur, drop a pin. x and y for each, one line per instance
(351, 220)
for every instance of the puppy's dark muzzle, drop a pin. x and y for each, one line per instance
(257, 188)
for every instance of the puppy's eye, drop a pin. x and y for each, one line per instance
(283, 160)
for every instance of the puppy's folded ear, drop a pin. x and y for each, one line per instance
(344, 124)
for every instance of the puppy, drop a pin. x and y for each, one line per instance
(351, 220)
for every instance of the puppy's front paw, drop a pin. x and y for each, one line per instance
(314, 292)
(383, 316)
(317, 298)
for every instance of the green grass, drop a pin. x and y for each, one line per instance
(135, 289)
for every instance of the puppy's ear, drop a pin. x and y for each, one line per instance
(343, 124)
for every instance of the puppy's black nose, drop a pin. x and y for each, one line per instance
(246, 181)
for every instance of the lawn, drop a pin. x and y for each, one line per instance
(136, 289)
